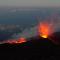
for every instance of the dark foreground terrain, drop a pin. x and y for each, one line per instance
(36, 49)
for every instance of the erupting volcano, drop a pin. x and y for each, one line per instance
(45, 29)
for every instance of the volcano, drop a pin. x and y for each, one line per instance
(34, 48)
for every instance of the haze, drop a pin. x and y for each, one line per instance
(31, 3)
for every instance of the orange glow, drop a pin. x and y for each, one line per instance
(11, 41)
(44, 36)
(44, 29)
(21, 40)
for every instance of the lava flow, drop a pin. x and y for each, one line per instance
(20, 40)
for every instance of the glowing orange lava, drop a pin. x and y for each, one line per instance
(21, 40)
(44, 29)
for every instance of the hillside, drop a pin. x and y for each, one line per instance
(36, 48)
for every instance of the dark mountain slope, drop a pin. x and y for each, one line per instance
(35, 48)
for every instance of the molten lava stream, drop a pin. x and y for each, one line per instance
(21, 40)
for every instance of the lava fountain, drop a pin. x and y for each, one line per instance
(45, 29)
